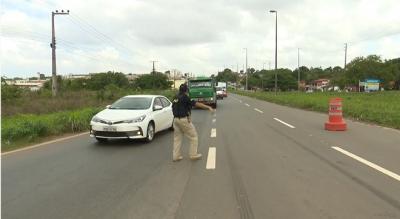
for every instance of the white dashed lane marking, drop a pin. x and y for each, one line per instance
(258, 110)
(370, 164)
(214, 120)
(287, 124)
(211, 158)
(213, 133)
(247, 104)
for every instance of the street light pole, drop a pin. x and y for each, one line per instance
(247, 87)
(276, 49)
(54, 84)
(298, 69)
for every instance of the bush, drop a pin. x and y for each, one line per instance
(10, 92)
(29, 127)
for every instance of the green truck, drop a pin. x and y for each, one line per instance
(202, 89)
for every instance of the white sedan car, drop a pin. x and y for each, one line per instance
(133, 117)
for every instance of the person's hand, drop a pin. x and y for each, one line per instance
(211, 109)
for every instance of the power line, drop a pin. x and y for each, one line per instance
(101, 36)
(95, 35)
(376, 37)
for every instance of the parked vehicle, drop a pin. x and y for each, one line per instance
(202, 89)
(133, 117)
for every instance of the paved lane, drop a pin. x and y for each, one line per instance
(264, 168)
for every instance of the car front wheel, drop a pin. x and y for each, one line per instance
(150, 132)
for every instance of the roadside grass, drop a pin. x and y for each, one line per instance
(381, 108)
(42, 102)
(49, 120)
(28, 128)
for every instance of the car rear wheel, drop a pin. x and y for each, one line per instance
(150, 132)
(102, 140)
(214, 105)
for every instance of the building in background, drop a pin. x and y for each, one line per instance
(33, 85)
(76, 76)
(320, 84)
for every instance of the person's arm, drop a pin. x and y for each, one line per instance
(203, 106)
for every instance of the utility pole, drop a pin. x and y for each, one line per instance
(345, 56)
(154, 68)
(54, 84)
(247, 86)
(237, 74)
(276, 49)
(298, 69)
(174, 78)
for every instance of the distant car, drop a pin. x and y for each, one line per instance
(223, 86)
(133, 117)
(220, 93)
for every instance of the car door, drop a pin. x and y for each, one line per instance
(169, 116)
(158, 116)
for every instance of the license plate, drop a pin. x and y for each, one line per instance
(110, 129)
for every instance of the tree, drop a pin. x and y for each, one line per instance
(362, 68)
(100, 80)
(153, 81)
(227, 76)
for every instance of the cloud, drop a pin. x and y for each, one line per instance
(193, 36)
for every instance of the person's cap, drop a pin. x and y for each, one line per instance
(183, 88)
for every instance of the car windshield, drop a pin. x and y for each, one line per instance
(132, 103)
(200, 84)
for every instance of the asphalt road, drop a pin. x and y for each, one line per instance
(270, 162)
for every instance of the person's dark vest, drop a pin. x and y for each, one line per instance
(180, 107)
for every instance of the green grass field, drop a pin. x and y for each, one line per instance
(381, 108)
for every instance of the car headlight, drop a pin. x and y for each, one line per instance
(137, 119)
(96, 119)
(212, 98)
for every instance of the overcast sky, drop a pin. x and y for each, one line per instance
(201, 36)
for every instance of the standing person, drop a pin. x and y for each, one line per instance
(182, 106)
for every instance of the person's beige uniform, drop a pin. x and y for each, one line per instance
(182, 127)
(183, 124)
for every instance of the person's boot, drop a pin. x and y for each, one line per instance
(196, 157)
(179, 158)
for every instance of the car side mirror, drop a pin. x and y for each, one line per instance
(108, 106)
(157, 107)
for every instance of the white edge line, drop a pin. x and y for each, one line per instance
(43, 144)
(213, 133)
(258, 110)
(368, 163)
(287, 124)
(212, 153)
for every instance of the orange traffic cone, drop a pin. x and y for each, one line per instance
(335, 122)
